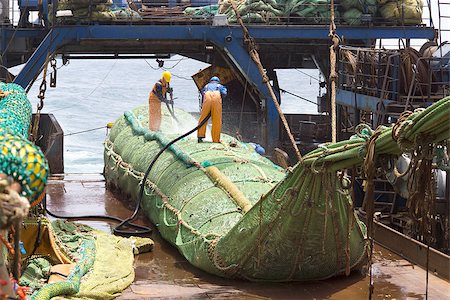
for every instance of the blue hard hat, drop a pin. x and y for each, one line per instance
(215, 78)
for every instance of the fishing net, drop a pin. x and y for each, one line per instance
(403, 11)
(364, 6)
(318, 11)
(20, 158)
(202, 11)
(352, 16)
(300, 225)
(83, 4)
(223, 204)
(109, 260)
(98, 10)
(258, 11)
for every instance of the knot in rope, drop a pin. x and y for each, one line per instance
(364, 131)
(395, 130)
(12, 206)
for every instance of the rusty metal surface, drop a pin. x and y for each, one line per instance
(415, 251)
(165, 274)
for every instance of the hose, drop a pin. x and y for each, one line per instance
(144, 179)
(140, 230)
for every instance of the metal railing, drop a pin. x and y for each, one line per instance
(373, 72)
(403, 75)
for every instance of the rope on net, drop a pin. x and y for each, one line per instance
(219, 179)
(20, 158)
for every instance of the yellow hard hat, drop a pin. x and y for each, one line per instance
(166, 75)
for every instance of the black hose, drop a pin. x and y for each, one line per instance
(152, 163)
(141, 230)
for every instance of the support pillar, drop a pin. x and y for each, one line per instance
(238, 55)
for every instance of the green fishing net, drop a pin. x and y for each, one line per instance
(19, 157)
(200, 215)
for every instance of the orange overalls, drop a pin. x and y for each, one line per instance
(212, 102)
(154, 107)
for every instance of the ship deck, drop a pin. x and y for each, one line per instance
(165, 274)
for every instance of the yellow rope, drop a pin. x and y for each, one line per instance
(227, 185)
(333, 74)
(255, 56)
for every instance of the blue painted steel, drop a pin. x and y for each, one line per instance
(33, 5)
(268, 33)
(52, 41)
(362, 102)
(243, 62)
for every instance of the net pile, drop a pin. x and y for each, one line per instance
(20, 158)
(282, 227)
(95, 10)
(352, 12)
(104, 263)
(407, 12)
(232, 212)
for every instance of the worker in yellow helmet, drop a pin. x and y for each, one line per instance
(158, 95)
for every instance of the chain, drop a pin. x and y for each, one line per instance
(53, 74)
(41, 96)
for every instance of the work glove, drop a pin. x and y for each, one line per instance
(168, 101)
(170, 90)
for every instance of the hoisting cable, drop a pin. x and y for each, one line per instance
(255, 56)
(141, 230)
(300, 97)
(333, 75)
(84, 131)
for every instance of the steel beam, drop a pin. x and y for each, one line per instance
(55, 39)
(358, 101)
(241, 59)
(272, 32)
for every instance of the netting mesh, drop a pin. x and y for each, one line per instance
(293, 218)
(20, 158)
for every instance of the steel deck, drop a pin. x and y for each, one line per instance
(165, 274)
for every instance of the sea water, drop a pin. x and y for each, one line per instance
(91, 93)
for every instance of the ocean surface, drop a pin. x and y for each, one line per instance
(91, 93)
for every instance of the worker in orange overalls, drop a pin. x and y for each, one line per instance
(158, 95)
(212, 95)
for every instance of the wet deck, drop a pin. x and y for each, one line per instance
(165, 274)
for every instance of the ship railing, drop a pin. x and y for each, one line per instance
(372, 72)
(306, 12)
(407, 78)
(431, 82)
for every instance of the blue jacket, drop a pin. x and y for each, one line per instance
(214, 86)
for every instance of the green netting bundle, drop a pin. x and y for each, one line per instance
(262, 11)
(202, 11)
(365, 6)
(403, 12)
(20, 158)
(100, 10)
(125, 14)
(83, 4)
(230, 211)
(352, 16)
(15, 109)
(312, 11)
